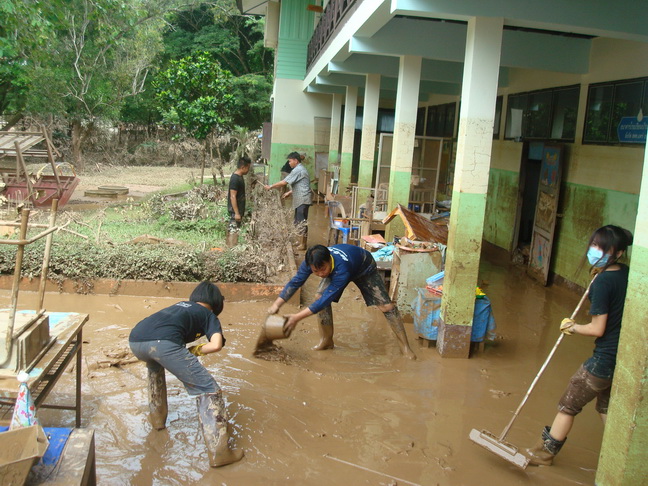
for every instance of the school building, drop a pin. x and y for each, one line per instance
(529, 116)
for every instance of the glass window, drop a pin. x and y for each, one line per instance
(448, 129)
(385, 120)
(538, 115)
(441, 120)
(546, 114)
(599, 104)
(627, 102)
(498, 116)
(420, 121)
(608, 104)
(516, 106)
(565, 103)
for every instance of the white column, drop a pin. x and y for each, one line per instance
(336, 116)
(348, 133)
(474, 144)
(400, 175)
(369, 125)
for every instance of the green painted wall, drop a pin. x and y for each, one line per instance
(462, 259)
(346, 163)
(295, 29)
(501, 207)
(583, 209)
(279, 152)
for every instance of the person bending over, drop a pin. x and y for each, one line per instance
(160, 341)
(339, 265)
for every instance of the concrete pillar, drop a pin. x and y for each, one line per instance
(368, 143)
(474, 143)
(400, 174)
(624, 452)
(348, 134)
(334, 143)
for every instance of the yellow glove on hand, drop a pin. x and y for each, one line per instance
(567, 326)
(197, 349)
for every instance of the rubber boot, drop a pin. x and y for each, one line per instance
(213, 420)
(546, 448)
(396, 322)
(231, 240)
(325, 321)
(302, 243)
(157, 391)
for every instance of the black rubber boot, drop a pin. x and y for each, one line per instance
(213, 419)
(546, 448)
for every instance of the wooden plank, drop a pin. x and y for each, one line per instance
(419, 228)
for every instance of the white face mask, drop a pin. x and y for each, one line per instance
(596, 257)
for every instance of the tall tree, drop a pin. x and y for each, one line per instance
(236, 41)
(96, 54)
(24, 28)
(195, 93)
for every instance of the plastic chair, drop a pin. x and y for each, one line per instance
(339, 223)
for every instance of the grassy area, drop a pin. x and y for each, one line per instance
(166, 238)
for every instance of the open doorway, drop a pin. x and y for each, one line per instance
(527, 199)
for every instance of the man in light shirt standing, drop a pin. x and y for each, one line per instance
(299, 180)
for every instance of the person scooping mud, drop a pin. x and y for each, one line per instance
(160, 341)
(339, 265)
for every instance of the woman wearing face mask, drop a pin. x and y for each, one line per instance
(594, 378)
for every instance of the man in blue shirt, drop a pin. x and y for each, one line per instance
(339, 265)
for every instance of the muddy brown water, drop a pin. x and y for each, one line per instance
(360, 414)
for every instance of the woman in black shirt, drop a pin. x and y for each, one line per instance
(594, 378)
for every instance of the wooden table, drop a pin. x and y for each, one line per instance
(67, 328)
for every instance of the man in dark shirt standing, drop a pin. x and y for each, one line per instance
(236, 200)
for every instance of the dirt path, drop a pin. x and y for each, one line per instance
(359, 414)
(140, 181)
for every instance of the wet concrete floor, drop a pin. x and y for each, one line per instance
(359, 414)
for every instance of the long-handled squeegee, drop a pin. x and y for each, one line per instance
(498, 445)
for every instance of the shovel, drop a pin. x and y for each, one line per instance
(498, 445)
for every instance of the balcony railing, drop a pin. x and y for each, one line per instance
(331, 18)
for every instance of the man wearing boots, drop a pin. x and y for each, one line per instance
(302, 197)
(160, 341)
(339, 265)
(236, 200)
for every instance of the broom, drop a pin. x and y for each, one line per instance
(498, 445)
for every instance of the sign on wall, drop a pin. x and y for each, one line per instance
(632, 129)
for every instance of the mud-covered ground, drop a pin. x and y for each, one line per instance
(359, 414)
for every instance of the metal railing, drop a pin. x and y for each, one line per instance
(331, 18)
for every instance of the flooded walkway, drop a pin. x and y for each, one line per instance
(359, 414)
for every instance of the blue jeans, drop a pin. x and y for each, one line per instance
(178, 361)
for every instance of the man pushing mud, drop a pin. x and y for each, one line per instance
(337, 266)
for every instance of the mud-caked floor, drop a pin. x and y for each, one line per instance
(358, 414)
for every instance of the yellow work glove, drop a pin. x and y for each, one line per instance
(567, 326)
(197, 349)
